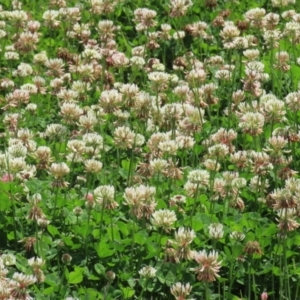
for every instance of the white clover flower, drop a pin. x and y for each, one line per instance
(168, 147)
(139, 140)
(158, 165)
(93, 139)
(137, 61)
(218, 151)
(24, 70)
(148, 272)
(179, 7)
(223, 74)
(185, 142)
(251, 54)
(11, 55)
(105, 196)
(178, 35)
(124, 137)
(158, 67)
(209, 266)
(216, 231)
(36, 262)
(255, 16)
(31, 88)
(258, 183)
(180, 290)
(2, 35)
(138, 51)
(141, 200)
(229, 32)
(17, 150)
(88, 121)
(16, 164)
(282, 3)
(24, 280)
(293, 100)
(196, 75)
(91, 54)
(59, 170)
(252, 123)
(93, 166)
(184, 236)
(158, 77)
(8, 259)
(237, 236)
(238, 183)
(164, 219)
(144, 18)
(212, 165)
(200, 177)
(40, 58)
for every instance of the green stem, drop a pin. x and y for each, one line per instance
(106, 290)
(104, 66)
(170, 181)
(194, 205)
(285, 265)
(37, 240)
(41, 248)
(157, 107)
(271, 66)
(254, 286)
(101, 222)
(211, 186)
(129, 175)
(11, 193)
(280, 279)
(297, 294)
(295, 120)
(206, 293)
(225, 207)
(249, 278)
(208, 113)
(273, 283)
(55, 204)
(132, 244)
(111, 227)
(15, 218)
(143, 289)
(232, 264)
(87, 235)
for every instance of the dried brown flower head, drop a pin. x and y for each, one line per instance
(211, 3)
(252, 247)
(28, 242)
(242, 25)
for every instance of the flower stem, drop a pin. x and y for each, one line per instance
(129, 175)
(111, 227)
(194, 205)
(101, 222)
(87, 235)
(285, 265)
(249, 278)
(206, 293)
(55, 204)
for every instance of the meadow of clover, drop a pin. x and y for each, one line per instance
(149, 149)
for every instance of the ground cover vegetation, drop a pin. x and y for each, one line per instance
(149, 149)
